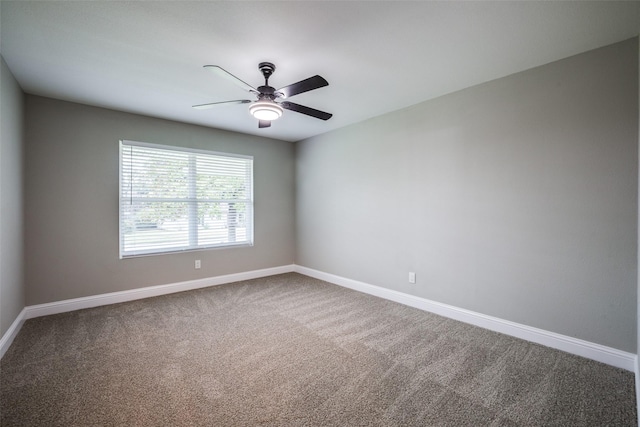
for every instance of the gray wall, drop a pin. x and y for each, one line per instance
(72, 202)
(638, 301)
(516, 198)
(12, 291)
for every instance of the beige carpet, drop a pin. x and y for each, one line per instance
(289, 350)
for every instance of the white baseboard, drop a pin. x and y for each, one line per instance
(637, 372)
(151, 291)
(64, 306)
(600, 353)
(12, 332)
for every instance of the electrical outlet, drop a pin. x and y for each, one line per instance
(197, 264)
(412, 277)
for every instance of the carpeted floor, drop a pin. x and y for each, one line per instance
(289, 350)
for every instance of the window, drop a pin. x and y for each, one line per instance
(175, 199)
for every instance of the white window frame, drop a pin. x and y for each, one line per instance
(192, 201)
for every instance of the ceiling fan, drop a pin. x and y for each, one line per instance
(265, 108)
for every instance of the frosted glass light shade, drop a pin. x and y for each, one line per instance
(265, 110)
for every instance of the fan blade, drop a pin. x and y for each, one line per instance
(264, 124)
(227, 75)
(219, 104)
(302, 86)
(306, 110)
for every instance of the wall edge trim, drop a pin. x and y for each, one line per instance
(576, 346)
(74, 304)
(12, 332)
(64, 306)
(637, 378)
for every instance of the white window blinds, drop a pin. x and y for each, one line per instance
(175, 199)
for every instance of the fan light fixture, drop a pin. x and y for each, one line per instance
(265, 110)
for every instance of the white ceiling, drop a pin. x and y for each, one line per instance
(146, 57)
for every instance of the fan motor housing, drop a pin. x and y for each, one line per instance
(266, 92)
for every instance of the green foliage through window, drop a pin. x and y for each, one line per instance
(174, 199)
